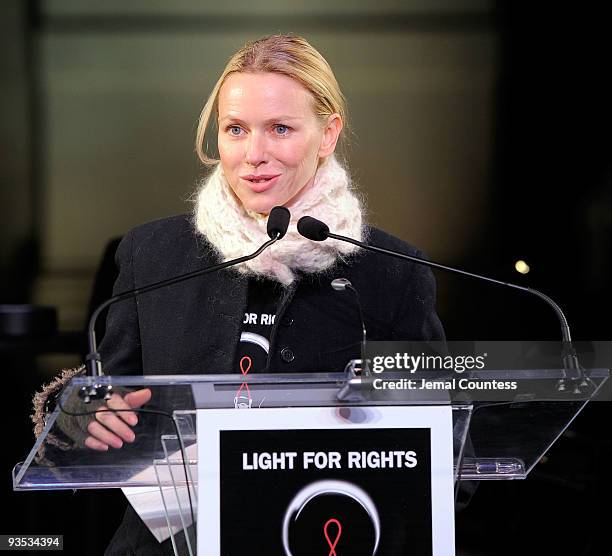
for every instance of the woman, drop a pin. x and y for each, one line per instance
(280, 114)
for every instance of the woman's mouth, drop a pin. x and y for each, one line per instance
(260, 183)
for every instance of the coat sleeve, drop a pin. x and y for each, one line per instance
(121, 346)
(417, 319)
(120, 351)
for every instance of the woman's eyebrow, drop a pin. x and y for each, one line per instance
(275, 119)
(230, 118)
(282, 118)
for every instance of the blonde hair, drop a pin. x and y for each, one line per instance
(288, 55)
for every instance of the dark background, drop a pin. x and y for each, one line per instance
(549, 193)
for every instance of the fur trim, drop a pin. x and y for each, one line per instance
(41, 399)
(40, 405)
(68, 431)
(233, 231)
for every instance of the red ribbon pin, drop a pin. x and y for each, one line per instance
(245, 367)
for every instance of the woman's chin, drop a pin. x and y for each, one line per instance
(260, 206)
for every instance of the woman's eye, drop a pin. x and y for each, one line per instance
(281, 129)
(234, 130)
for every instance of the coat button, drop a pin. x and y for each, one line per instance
(287, 320)
(287, 355)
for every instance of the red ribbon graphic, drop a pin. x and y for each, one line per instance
(333, 544)
(244, 369)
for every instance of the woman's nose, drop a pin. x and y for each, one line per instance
(256, 150)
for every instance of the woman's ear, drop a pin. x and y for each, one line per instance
(331, 134)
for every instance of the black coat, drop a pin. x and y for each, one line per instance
(194, 327)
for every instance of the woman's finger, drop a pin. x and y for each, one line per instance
(115, 425)
(117, 402)
(138, 398)
(102, 434)
(95, 444)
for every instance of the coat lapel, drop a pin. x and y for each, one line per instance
(219, 300)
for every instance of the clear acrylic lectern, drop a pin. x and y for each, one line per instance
(159, 470)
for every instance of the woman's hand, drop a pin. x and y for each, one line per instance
(113, 429)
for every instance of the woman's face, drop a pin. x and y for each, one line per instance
(270, 139)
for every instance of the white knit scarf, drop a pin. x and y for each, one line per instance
(234, 231)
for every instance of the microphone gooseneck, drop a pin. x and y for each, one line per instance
(314, 229)
(278, 221)
(342, 284)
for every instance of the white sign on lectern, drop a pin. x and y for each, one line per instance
(326, 480)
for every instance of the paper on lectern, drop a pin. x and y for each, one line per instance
(152, 503)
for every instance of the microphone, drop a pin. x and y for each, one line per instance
(278, 221)
(314, 229)
(342, 284)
